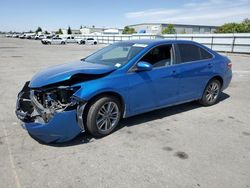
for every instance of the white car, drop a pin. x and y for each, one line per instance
(8, 35)
(23, 36)
(55, 40)
(15, 36)
(88, 41)
(71, 39)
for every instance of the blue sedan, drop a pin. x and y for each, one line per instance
(121, 80)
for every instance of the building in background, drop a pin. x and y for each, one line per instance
(74, 31)
(157, 28)
(98, 30)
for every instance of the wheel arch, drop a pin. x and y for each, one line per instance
(219, 78)
(106, 93)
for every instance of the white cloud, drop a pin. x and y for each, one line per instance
(209, 12)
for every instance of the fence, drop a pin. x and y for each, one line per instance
(236, 43)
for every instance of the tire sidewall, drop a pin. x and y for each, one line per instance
(93, 112)
(204, 100)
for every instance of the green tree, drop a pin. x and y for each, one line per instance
(246, 25)
(59, 32)
(39, 29)
(69, 31)
(128, 30)
(243, 27)
(46, 32)
(169, 29)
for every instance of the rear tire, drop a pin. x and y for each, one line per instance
(62, 42)
(82, 42)
(103, 116)
(211, 93)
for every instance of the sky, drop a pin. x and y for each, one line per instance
(24, 15)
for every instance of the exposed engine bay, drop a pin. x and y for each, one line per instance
(40, 105)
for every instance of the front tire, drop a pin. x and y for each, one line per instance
(211, 93)
(103, 116)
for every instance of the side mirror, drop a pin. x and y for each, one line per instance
(143, 66)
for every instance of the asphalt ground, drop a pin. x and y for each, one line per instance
(183, 146)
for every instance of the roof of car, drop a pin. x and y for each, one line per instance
(157, 41)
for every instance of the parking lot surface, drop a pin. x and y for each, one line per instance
(183, 146)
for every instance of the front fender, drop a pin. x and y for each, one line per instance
(93, 88)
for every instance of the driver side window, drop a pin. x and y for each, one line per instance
(159, 56)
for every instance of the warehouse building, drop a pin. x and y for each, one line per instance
(157, 28)
(95, 30)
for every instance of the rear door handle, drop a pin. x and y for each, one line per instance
(175, 73)
(210, 65)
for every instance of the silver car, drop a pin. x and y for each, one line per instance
(88, 41)
(55, 40)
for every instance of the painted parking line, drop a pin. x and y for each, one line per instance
(241, 71)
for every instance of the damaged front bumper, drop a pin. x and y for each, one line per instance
(61, 128)
(62, 125)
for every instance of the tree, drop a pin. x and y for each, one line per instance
(243, 27)
(169, 29)
(69, 31)
(246, 25)
(46, 32)
(128, 30)
(39, 29)
(81, 27)
(59, 32)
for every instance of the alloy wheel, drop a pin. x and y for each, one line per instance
(107, 116)
(212, 92)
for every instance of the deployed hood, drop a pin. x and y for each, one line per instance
(65, 72)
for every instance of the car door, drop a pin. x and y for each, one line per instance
(195, 68)
(155, 88)
(55, 40)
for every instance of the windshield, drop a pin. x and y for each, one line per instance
(116, 55)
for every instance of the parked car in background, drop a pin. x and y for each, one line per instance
(87, 41)
(40, 37)
(36, 37)
(70, 39)
(119, 81)
(22, 36)
(30, 36)
(54, 40)
(15, 35)
(8, 35)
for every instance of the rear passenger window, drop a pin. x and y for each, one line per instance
(205, 54)
(190, 52)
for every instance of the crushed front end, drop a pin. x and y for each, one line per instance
(50, 114)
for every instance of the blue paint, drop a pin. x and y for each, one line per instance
(63, 127)
(141, 91)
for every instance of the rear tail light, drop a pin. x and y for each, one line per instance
(229, 65)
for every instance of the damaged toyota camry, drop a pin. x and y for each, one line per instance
(119, 81)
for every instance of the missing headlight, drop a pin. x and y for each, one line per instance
(50, 101)
(40, 105)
